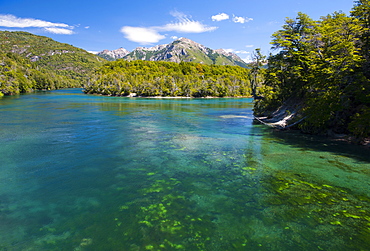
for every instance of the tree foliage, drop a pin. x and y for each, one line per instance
(325, 66)
(19, 75)
(148, 78)
(257, 71)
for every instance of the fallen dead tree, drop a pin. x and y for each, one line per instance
(281, 124)
(286, 116)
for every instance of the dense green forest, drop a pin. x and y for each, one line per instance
(19, 75)
(321, 72)
(148, 78)
(30, 62)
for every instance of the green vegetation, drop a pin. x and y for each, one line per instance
(147, 78)
(19, 75)
(324, 67)
(257, 71)
(36, 62)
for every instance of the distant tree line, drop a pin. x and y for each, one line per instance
(150, 78)
(324, 65)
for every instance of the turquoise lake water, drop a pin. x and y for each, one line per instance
(83, 172)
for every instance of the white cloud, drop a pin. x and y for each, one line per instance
(220, 17)
(142, 35)
(249, 45)
(241, 20)
(229, 50)
(247, 60)
(16, 22)
(174, 37)
(59, 31)
(237, 52)
(242, 52)
(149, 35)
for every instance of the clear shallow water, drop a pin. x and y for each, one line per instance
(81, 172)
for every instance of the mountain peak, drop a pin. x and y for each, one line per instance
(184, 39)
(114, 54)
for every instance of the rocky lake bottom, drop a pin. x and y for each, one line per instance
(85, 172)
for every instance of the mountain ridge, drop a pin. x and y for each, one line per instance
(180, 50)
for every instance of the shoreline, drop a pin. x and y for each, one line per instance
(165, 97)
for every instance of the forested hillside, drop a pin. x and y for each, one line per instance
(148, 78)
(320, 73)
(36, 62)
(19, 75)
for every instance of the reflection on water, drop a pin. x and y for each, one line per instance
(82, 172)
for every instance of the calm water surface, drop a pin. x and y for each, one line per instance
(81, 172)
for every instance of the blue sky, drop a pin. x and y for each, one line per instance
(240, 26)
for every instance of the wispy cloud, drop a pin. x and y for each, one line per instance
(59, 31)
(249, 45)
(12, 21)
(220, 17)
(185, 25)
(149, 35)
(16, 22)
(241, 20)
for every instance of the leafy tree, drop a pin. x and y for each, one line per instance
(361, 11)
(256, 65)
(148, 78)
(19, 75)
(334, 72)
(294, 43)
(323, 67)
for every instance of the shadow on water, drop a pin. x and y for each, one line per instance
(318, 143)
(313, 189)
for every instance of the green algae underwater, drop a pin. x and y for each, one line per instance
(83, 172)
